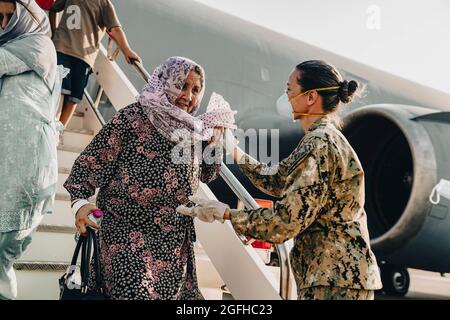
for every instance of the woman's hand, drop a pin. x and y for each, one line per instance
(217, 135)
(206, 210)
(131, 56)
(82, 219)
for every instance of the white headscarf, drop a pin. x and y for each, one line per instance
(27, 38)
(23, 23)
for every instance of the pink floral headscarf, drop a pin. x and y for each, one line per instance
(160, 93)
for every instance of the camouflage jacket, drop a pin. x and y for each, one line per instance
(321, 186)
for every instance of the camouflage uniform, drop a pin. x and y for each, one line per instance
(321, 186)
(334, 293)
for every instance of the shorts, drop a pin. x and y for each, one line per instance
(75, 82)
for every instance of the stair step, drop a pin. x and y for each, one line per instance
(66, 148)
(82, 131)
(50, 247)
(62, 177)
(56, 228)
(77, 121)
(76, 138)
(62, 197)
(38, 285)
(41, 266)
(212, 293)
(62, 203)
(67, 156)
(207, 274)
(66, 197)
(62, 214)
(63, 170)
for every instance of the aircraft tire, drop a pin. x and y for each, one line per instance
(395, 280)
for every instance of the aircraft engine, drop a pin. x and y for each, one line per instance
(404, 151)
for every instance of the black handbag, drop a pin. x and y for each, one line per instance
(72, 291)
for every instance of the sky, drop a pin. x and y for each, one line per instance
(409, 38)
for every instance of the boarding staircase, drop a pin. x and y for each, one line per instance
(227, 265)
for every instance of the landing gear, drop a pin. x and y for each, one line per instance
(274, 260)
(395, 280)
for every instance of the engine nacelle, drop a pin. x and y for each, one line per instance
(404, 151)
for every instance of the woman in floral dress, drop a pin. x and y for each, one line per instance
(146, 247)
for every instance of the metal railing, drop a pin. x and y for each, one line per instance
(250, 203)
(229, 178)
(94, 105)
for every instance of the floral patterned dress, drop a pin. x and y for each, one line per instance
(146, 247)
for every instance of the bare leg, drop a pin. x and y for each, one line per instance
(61, 103)
(67, 112)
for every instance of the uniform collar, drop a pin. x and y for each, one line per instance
(321, 122)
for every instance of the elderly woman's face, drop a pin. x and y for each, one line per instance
(188, 98)
(6, 12)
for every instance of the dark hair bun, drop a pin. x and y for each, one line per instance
(347, 90)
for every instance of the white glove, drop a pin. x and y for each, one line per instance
(206, 210)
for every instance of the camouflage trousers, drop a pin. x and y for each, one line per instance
(334, 293)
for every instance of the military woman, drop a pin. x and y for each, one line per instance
(321, 186)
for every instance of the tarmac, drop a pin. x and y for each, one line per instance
(424, 285)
